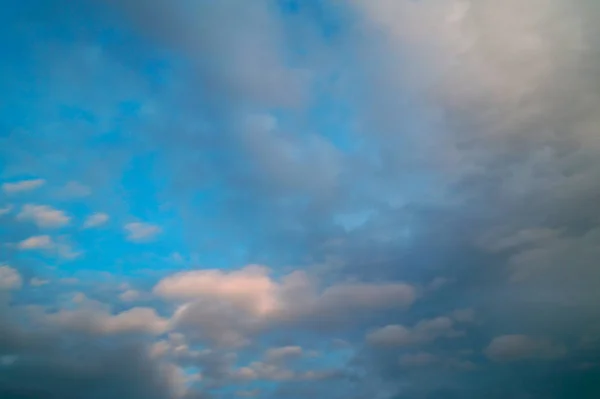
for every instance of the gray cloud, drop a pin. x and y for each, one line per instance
(477, 163)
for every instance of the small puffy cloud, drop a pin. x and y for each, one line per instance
(424, 331)
(38, 282)
(60, 248)
(141, 232)
(23, 185)
(266, 371)
(9, 278)
(515, 347)
(43, 216)
(37, 242)
(95, 220)
(6, 209)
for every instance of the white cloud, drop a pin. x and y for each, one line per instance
(95, 220)
(249, 288)
(508, 348)
(424, 331)
(23, 185)
(60, 248)
(5, 210)
(37, 242)
(9, 278)
(43, 216)
(141, 232)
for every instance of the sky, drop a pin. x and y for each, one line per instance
(284, 199)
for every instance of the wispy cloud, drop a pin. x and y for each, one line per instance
(141, 232)
(95, 220)
(22, 186)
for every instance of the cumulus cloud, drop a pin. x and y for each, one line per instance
(61, 247)
(424, 331)
(43, 216)
(507, 348)
(249, 287)
(95, 220)
(22, 186)
(229, 305)
(10, 278)
(141, 232)
(99, 321)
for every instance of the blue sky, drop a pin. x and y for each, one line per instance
(290, 199)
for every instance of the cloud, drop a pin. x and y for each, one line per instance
(38, 282)
(43, 216)
(424, 331)
(141, 232)
(6, 210)
(130, 295)
(466, 131)
(283, 353)
(22, 186)
(241, 56)
(231, 305)
(249, 288)
(507, 348)
(10, 278)
(363, 297)
(95, 220)
(98, 321)
(37, 242)
(61, 247)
